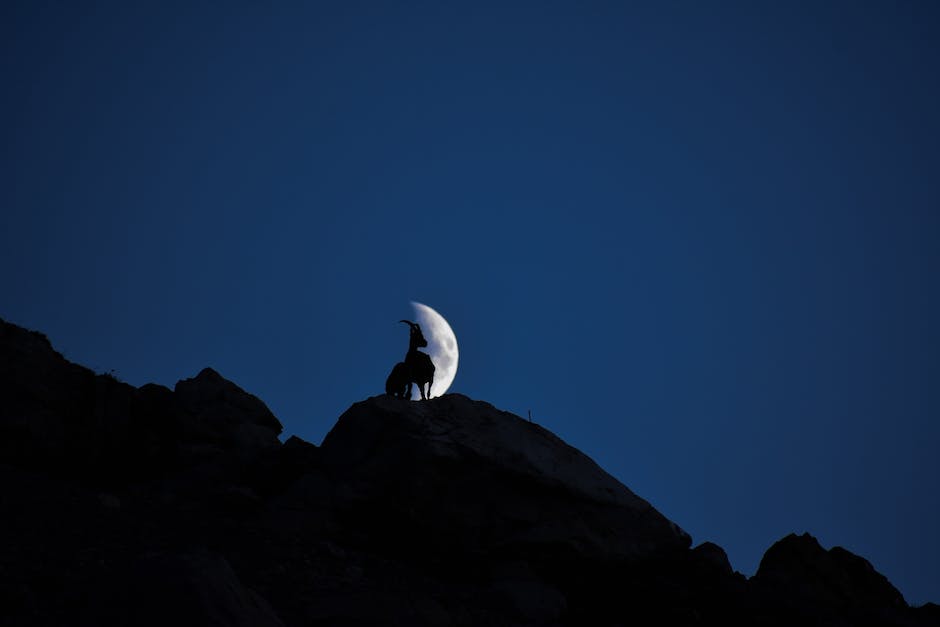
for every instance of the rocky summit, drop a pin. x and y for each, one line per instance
(152, 506)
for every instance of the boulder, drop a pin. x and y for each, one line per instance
(798, 568)
(224, 409)
(496, 481)
(715, 556)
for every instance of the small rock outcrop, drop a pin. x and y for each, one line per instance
(715, 556)
(219, 407)
(817, 581)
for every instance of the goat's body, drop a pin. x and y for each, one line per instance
(421, 371)
(398, 383)
(417, 368)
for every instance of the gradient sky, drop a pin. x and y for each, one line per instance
(699, 241)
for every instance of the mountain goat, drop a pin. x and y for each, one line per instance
(420, 366)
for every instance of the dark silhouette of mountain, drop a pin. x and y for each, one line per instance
(151, 506)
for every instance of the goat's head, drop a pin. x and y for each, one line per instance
(417, 337)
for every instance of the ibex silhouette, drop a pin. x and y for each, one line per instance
(417, 367)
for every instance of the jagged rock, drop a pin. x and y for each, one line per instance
(56, 414)
(43, 396)
(224, 411)
(444, 512)
(800, 567)
(282, 467)
(715, 556)
(805, 583)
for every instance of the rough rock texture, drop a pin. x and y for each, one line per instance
(218, 406)
(494, 480)
(193, 588)
(56, 414)
(151, 506)
(714, 555)
(819, 581)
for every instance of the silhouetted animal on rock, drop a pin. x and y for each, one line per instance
(420, 366)
(398, 383)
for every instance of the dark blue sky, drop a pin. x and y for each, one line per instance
(700, 241)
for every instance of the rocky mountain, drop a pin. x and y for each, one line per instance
(151, 506)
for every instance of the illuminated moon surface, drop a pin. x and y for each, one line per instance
(442, 347)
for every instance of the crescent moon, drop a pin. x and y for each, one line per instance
(442, 347)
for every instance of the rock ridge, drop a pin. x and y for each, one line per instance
(148, 506)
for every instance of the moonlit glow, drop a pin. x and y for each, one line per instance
(442, 347)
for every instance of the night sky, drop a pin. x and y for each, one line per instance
(699, 241)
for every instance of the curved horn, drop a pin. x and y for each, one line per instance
(411, 324)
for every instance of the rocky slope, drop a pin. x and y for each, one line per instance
(151, 506)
